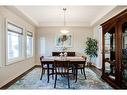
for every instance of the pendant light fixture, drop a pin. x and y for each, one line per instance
(64, 31)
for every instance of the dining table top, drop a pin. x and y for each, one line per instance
(52, 58)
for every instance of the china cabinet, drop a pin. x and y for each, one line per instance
(114, 52)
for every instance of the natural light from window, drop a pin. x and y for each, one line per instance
(29, 44)
(15, 40)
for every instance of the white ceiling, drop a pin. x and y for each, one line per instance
(75, 15)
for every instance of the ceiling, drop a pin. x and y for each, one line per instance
(75, 15)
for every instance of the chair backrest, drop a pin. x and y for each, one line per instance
(58, 53)
(61, 67)
(84, 58)
(41, 58)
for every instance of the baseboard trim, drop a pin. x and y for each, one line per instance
(96, 67)
(19, 77)
(96, 70)
(36, 66)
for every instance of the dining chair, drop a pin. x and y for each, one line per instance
(81, 66)
(62, 68)
(44, 67)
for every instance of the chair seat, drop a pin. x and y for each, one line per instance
(50, 66)
(80, 65)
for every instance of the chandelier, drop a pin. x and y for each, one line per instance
(64, 31)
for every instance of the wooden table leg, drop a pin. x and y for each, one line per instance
(48, 72)
(76, 72)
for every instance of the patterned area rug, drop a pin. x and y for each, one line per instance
(32, 81)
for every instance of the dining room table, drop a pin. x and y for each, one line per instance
(75, 60)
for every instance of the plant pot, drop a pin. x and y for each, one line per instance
(89, 64)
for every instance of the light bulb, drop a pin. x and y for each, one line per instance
(64, 31)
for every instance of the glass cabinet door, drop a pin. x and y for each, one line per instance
(109, 53)
(124, 53)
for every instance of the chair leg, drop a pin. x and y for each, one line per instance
(41, 74)
(55, 81)
(84, 73)
(52, 73)
(81, 71)
(76, 71)
(73, 71)
(68, 81)
(43, 71)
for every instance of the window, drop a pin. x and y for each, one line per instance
(15, 42)
(29, 44)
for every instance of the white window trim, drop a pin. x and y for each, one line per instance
(8, 62)
(28, 57)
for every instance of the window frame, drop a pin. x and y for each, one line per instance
(20, 58)
(32, 35)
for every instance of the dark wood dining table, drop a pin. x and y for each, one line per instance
(73, 60)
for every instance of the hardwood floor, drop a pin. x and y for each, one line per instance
(17, 78)
(96, 70)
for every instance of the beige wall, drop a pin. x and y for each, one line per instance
(79, 34)
(0, 41)
(9, 72)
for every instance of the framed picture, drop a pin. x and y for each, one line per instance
(63, 40)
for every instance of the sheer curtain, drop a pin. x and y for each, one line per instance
(98, 35)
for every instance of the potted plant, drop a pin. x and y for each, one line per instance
(91, 48)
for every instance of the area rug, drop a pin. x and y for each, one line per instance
(32, 81)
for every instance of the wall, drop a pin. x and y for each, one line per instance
(97, 31)
(47, 35)
(9, 72)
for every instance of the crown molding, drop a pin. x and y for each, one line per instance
(106, 11)
(22, 14)
(28, 18)
(43, 24)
